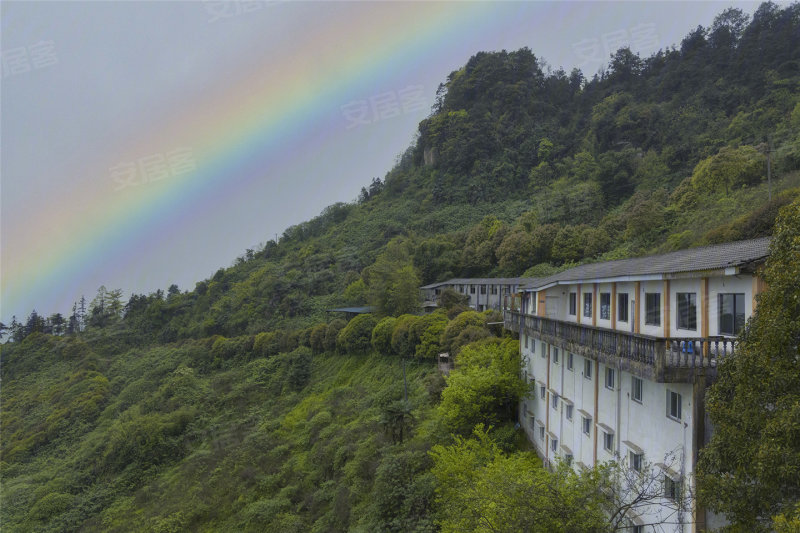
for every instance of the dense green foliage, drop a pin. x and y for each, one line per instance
(750, 470)
(243, 405)
(481, 489)
(100, 437)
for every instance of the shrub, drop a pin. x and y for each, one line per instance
(382, 335)
(403, 340)
(332, 332)
(355, 337)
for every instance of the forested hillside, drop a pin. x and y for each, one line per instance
(242, 404)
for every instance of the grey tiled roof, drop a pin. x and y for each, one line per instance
(481, 281)
(714, 257)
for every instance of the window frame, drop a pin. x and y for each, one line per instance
(610, 376)
(555, 355)
(608, 441)
(735, 295)
(573, 304)
(634, 381)
(568, 412)
(587, 368)
(542, 392)
(554, 445)
(586, 426)
(672, 488)
(649, 318)
(605, 308)
(587, 305)
(686, 311)
(570, 361)
(678, 404)
(623, 296)
(636, 461)
(554, 401)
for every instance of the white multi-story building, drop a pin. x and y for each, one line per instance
(621, 353)
(481, 293)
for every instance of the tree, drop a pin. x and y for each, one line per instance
(456, 326)
(750, 469)
(317, 338)
(430, 329)
(404, 341)
(382, 335)
(34, 324)
(450, 298)
(392, 281)
(355, 337)
(173, 289)
(485, 387)
(729, 168)
(332, 333)
(56, 322)
(481, 489)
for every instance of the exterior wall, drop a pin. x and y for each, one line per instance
(554, 303)
(481, 296)
(636, 426)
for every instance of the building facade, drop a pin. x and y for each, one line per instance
(620, 355)
(482, 293)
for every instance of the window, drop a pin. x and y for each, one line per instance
(533, 345)
(731, 313)
(610, 381)
(672, 488)
(544, 351)
(608, 441)
(526, 342)
(569, 361)
(586, 425)
(573, 304)
(637, 529)
(636, 460)
(483, 289)
(555, 401)
(587, 368)
(605, 305)
(652, 304)
(587, 304)
(636, 389)
(569, 412)
(568, 459)
(554, 444)
(533, 422)
(555, 355)
(494, 289)
(687, 310)
(542, 391)
(674, 401)
(541, 432)
(472, 289)
(622, 307)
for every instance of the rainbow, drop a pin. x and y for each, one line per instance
(237, 131)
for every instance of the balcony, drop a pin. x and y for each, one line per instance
(667, 360)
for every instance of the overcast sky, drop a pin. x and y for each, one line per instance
(150, 143)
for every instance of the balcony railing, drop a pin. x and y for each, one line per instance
(662, 359)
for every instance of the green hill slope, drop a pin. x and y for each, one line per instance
(225, 407)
